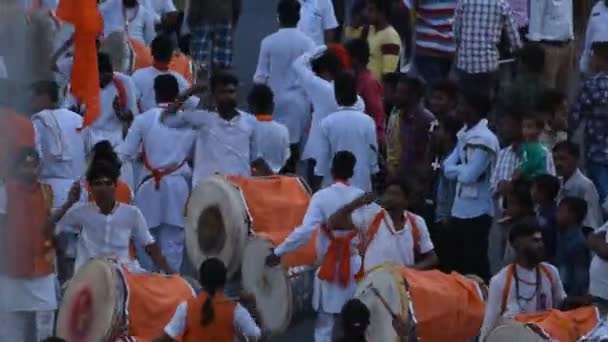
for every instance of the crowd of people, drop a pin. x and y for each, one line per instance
(439, 134)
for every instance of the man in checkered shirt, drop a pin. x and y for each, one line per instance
(478, 25)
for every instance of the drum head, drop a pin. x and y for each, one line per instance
(93, 304)
(510, 331)
(269, 286)
(381, 288)
(216, 224)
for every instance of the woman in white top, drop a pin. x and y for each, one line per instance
(106, 226)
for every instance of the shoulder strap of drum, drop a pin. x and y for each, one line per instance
(122, 92)
(366, 239)
(415, 234)
(506, 289)
(547, 273)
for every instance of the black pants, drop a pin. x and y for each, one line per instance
(466, 246)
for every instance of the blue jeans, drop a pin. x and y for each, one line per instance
(170, 239)
(598, 173)
(433, 69)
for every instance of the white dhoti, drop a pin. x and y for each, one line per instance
(26, 326)
(170, 239)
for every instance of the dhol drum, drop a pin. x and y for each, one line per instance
(105, 301)
(229, 216)
(509, 331)
(424, 300)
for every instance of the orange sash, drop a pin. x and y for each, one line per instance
(158, 174)
(337, 258)
(507, 288)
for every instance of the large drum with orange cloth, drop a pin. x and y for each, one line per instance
(106, 301)
(552, 325)
(435, 306)
(239, 220)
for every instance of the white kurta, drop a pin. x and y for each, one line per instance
(164, 205)
(139, 21)
(160, 7)
(392, 246)
(278, 51)
(222, 147)
(328, 297)
(105, 235)
(61, 148)
(353, 131)
(317, 16)
(144, 83)
(272, 144)
(551, 292)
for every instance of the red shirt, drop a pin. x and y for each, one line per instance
(371, 91)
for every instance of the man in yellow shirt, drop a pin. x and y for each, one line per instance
(384, 41)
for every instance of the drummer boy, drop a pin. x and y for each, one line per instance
(107, 226)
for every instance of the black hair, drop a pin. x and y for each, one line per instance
(569, 147)
(54, 339)
(103, 150)
(104, 62)
(479, 99)
(261, 99)
(223, 78)
(103, 168)
(20, 155)
(549, 185)
(358, 7)
(383, 6)
(47, 88)
(358, 49)
(549, 101)
(522, 228)
(521, 193)
(538, 120)
(343, 165)
(162, 48)
(532, 57)
(355, 318)
(452, 125)
(166, 88)
(289, 12)
(577, 206)
(600, 49)
(212, 275)
(448, 87)
(391, 78)
(345, 89)
(328, 62)
(414, 84)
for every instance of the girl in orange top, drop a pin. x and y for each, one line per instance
(211, 316)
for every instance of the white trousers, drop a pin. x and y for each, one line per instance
(26, 326)
(324, 326)
(170, 239)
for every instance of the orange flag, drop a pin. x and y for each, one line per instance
(87, 21)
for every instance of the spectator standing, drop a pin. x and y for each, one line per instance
(553, 107)
(521, 14)
(592, 106)
(384, 41)
(597, 31)
(478, 26)
(551, 24)
(318, 21)
(211, 24)
(434, 45)
(129, 16)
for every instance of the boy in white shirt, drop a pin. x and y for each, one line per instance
(526, 286)
(271, 137)
(107, 226)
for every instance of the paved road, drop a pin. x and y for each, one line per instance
(258, 19)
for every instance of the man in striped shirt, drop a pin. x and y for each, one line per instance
(435, 47)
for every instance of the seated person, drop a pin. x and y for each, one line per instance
(572, 257)
(526, 286)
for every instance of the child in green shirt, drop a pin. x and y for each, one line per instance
(532, 153)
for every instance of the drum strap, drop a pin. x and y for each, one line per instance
(510, 275)
(157, 174)
(121, 90)
(337, 253)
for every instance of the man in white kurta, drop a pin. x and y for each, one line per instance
(348, 130)
(130, 16)
(114, 87)
(225, 142)
(162, 51)
(161, 198)
(328, 296)
(160, 7)
(278, 51)
(59, 142)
